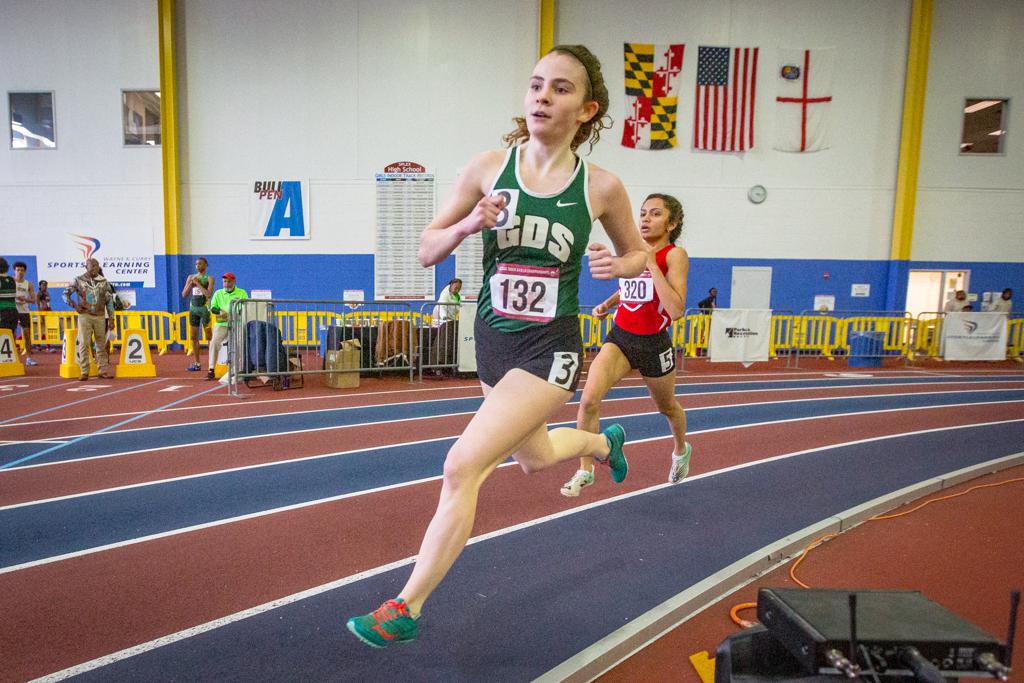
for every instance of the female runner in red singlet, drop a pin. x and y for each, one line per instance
(640, 339)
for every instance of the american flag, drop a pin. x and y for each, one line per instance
(723, 119)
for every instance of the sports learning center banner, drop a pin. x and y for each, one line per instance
(277, 210)
(974, 336)
(740, 335)
(125, 255)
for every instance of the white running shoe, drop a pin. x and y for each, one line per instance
(680, 466)
(580, 480)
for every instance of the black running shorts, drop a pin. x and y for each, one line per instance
(651, 354)
(553, 352)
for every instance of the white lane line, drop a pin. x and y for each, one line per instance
(295, 597)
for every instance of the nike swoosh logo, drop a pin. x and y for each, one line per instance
(561, 205)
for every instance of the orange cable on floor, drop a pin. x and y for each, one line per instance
(878, 518)
(743, 623)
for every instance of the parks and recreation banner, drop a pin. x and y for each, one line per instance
(277, 210)
(974, 336)
(125, 254)
(740, 335)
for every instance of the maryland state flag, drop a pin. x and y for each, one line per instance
(652, 84)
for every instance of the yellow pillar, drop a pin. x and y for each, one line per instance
(913, 117)
(545, 27)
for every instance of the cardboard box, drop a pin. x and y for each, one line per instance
(345, 361)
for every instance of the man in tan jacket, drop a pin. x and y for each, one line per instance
(91, 295)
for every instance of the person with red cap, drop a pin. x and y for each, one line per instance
(220, 307)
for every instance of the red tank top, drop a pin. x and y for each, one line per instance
(640, 310)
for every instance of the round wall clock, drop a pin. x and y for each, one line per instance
(757, 194)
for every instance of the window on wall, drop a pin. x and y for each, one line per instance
(31, 118)
(984, 126)
(141, 117)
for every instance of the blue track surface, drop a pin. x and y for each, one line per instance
(517, 605)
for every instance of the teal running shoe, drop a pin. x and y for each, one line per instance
(389, 623)
(616, 437)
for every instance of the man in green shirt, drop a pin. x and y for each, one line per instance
(220, 307)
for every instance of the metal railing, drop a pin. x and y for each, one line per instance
(438, 331)
(284, 340)
(866, 336)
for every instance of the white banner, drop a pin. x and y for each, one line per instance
(125, 255)
(467, 339)
(277, 210)
(740, 335)
(974, 336)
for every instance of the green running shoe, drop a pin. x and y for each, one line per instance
(389, 623)
(616, 437)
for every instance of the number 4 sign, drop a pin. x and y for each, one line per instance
(136, 360)
(10, 364)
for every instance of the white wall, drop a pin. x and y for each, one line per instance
(971, 207)
(333, 92)
(835, 203)
(86, 52)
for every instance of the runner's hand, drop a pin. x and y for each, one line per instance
(484, 215)
(601, 311)
(602, 263)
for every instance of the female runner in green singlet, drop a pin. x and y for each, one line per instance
(534, 206)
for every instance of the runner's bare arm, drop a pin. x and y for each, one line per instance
(467, 210)
(610, 204)
(671, 287)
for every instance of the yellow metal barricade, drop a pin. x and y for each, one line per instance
(927, 336)
(1015, 339)
(158, 325)
(48, 326)
(695, 330)
(816, 334)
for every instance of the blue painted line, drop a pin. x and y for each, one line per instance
(47, 529)
(84, 400)
(105, 429)
(178, 435)
(507, 612)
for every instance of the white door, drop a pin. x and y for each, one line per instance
(751, 287)
(928, 290)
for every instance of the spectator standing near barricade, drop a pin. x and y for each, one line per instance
(199, 290)
(957, 303)
(709, 303)
(91, 295)
(43, 297)
(8, 292)
(448, 303)
(1004, 304)
(25, 294)
(43, 306)
(220, 307)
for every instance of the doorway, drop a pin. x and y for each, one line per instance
(751, 287)
(928, 290)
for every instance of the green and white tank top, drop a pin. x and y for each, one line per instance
(198, 299)
(533, 256)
